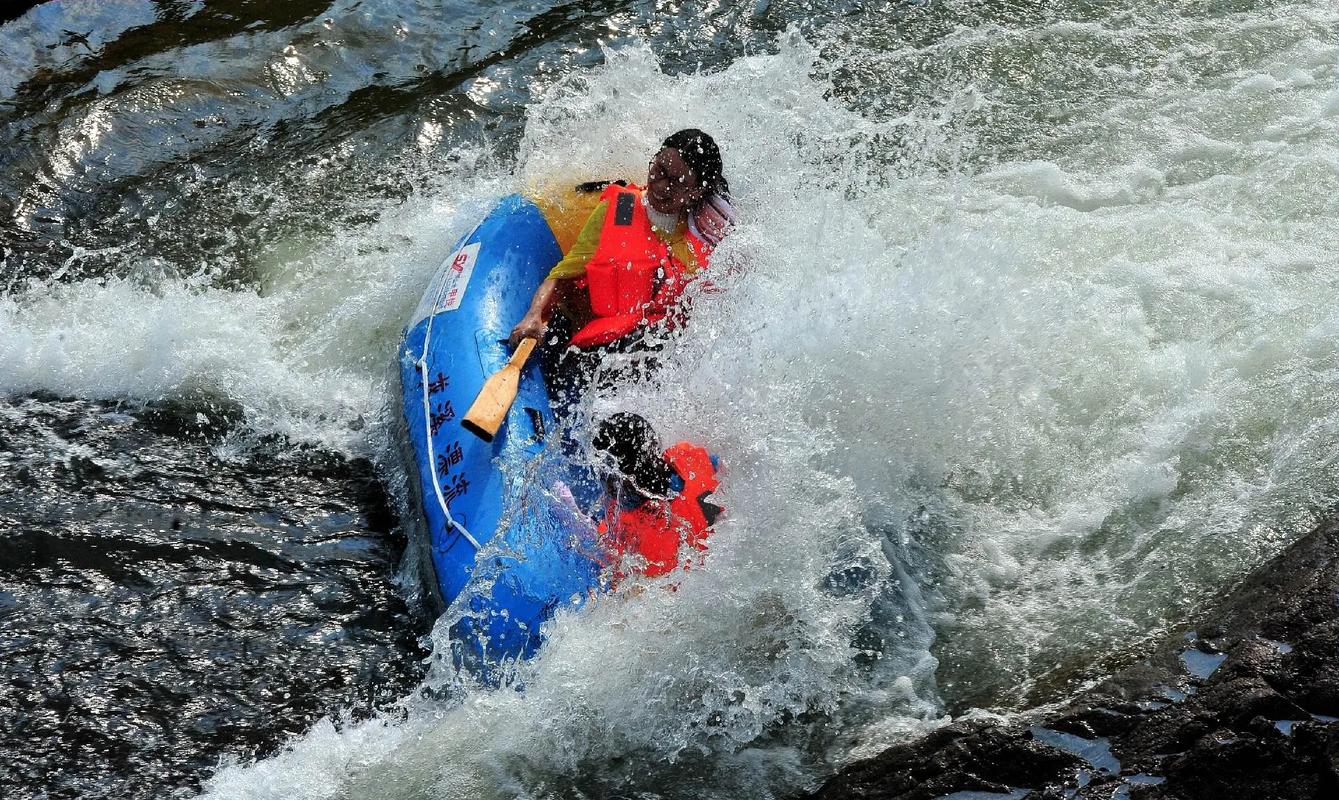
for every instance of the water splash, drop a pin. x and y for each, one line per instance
(1013, 367)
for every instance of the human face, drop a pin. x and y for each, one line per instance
(671, 187)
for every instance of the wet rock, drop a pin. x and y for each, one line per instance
(1240, 704)
(980, 757)
(1235, 702)
(1312, 669)
(1226, 763)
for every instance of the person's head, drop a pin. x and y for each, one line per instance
(685, 172)
(632, 443)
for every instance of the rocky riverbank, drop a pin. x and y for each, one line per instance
(1243, 704)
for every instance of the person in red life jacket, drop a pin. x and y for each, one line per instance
(634, 257)
(657, 502)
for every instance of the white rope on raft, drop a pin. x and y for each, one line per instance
(427, 410)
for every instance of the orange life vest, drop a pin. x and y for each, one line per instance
(656, 529)
(633, 277)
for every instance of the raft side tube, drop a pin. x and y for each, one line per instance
(472, 497)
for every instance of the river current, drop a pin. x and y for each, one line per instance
(1026, 348)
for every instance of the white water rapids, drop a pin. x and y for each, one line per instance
(1006, 378)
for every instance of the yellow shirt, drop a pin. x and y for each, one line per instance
(573, 265)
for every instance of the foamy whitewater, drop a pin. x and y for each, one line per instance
(1005, 379)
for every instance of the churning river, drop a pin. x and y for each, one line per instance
(1030, 346)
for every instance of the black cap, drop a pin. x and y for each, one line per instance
(636, 450)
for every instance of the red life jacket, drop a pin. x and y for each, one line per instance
(656, 529)
(633, 277)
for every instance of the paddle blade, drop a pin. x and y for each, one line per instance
(490, 407)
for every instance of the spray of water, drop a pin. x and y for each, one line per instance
(985, 419)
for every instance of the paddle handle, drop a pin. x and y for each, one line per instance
(498, 393)
(522, 353)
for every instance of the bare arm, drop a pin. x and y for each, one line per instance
(536, 320)
(562, 279)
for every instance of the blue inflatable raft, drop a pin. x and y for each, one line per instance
(497, 556)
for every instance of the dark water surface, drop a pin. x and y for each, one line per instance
(222, 111)
(164, 601)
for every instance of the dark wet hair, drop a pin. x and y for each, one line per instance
(699, 151)
(636, 449)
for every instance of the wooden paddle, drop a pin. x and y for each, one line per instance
(490, 407)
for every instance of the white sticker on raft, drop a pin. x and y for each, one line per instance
(448, 286)
(453, 277)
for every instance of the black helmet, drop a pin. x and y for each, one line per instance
(636, 450)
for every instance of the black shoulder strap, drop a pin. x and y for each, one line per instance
(709, 510)
(623, 208)
(597, 186)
